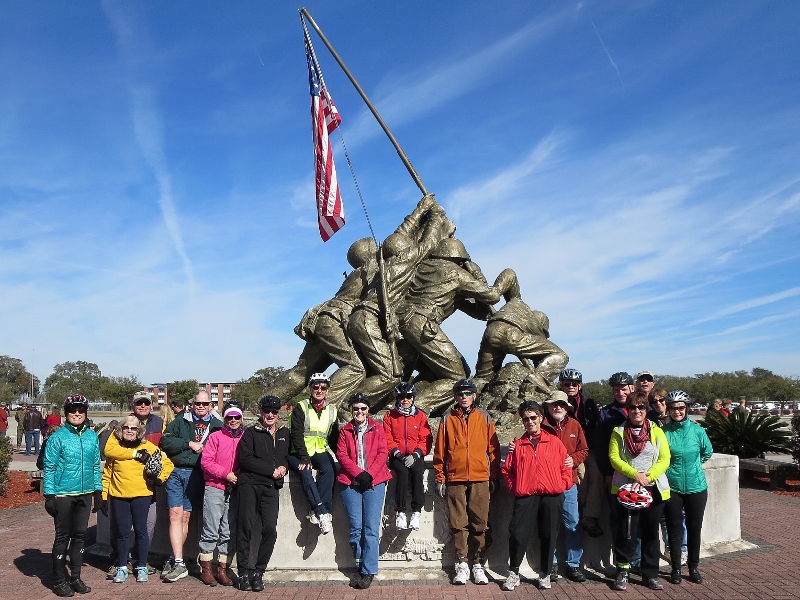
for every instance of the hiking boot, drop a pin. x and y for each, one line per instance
(621, 582)
(462, 574)
(479, 574)
(653, 583)
(257, 581)
(179, 571)
(325, 523)
(511, 582)
(112, 570)
(414, 522)
(79, 587)
(365, 581)
(222, 574)
(312, 518)
(122, 575)
(355, 581)
(244, 580)
(544, 581)
(400, 521)
(554, 573)
(694, 575)
(575, 574)
(63, 589)
(142, 575)
(592, 526)
(675, 577)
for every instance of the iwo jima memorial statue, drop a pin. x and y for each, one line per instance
(383, 325)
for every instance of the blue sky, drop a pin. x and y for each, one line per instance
(635, 162)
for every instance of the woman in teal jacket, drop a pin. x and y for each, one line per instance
(689, 448)
(71, 478)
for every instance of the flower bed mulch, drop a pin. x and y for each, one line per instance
(19, 491)
(761, 482)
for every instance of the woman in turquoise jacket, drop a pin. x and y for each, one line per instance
(689, 448)
(71, 478)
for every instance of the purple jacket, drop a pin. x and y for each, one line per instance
(219, 458)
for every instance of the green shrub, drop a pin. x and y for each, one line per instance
(5, 460)
(746, 435)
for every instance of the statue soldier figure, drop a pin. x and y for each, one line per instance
(518, 330)
(446, 282)
(323, 328)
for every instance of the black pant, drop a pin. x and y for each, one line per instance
(539, 513)
(647, 521)
(256, 503)
(401, 476)
(71, 522)
(695, 507)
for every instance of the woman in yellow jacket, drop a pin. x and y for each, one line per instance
(133, 467)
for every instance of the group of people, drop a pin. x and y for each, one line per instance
(572, 457)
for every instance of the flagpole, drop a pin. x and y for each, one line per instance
(369, 104)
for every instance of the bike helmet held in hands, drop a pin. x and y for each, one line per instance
(634, 499)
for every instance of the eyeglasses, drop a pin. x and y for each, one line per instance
(678, 407)
(233, 418)
(129, 428)
(360, 409)
(570, 383)
(658, 401)
(464, 394)
(270, 411)
(202, 403)
(640, 407)
(75, 409)
(324, 388)
(528, 419)
(142, 402)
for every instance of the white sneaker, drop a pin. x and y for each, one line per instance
(479, 574)
(312, 518)
(511, 582)
(325, 523)
(462, 574)
(544, 581)
(414, 522)
(400, 522)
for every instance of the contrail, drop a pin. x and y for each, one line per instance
(608, 54)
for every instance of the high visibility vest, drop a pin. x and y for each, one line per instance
(317, 427)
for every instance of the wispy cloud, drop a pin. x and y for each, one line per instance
(608, 54)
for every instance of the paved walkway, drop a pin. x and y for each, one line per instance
(770, 572)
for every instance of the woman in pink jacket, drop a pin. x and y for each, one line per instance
(220, 468)
(362, 478)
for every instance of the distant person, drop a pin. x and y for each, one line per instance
(3, 421)
(142, 407)
(19, 417)
(742, 406)
(715, 406)
(409, 438)
(70, 481)
(33, 428)
(726, 407)
(183, 442)
(54, 418)
(40, 458)
(362, 453)
(657, 399)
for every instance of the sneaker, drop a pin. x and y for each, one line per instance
(325, 523)
(312, 518)
(122, 575)
(621, 582)
(554, 573)
(479, 574)
(511, 582)
(63, 589)
(653, 583)
(112, 571)
(575, 574)
(364, 582)
(79, 587)
(414, 522)
(168, 566)
(401, 522)
(179, 571)
(544, 581)
(462, 574)
(142, 575)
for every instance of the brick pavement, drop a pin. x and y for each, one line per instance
(770, 572)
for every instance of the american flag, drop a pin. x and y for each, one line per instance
(324, 119)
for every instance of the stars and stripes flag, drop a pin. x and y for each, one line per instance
(324, 119)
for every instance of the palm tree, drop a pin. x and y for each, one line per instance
(746, 435)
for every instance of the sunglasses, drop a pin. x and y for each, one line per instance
(406, 397)
(269, 411)
(202, 403)
(528, 419)
(233, 418)
(356, 409)
(641, 407)
(142, 403)
(75, 409)
(570, 383)
(324, 388)
(678, 407)
(129, 428)
(645, 378)
(464, 394)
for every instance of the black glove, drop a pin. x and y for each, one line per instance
(142, 456)
(104, 508)
(97, 500)
(362, 482)
(492, 485)
(50, 505)
(409, 460)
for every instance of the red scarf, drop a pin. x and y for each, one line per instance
(634, 444)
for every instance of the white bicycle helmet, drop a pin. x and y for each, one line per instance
(631, 499)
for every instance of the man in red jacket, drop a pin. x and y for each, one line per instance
(535, 471)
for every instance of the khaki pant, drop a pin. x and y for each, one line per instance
(468, 504)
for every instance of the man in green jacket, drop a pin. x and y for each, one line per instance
(183, 441)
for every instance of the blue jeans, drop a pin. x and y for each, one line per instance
(319, 493)
(127, 512)
(31, 437)
(573, 540)
(364, 510)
